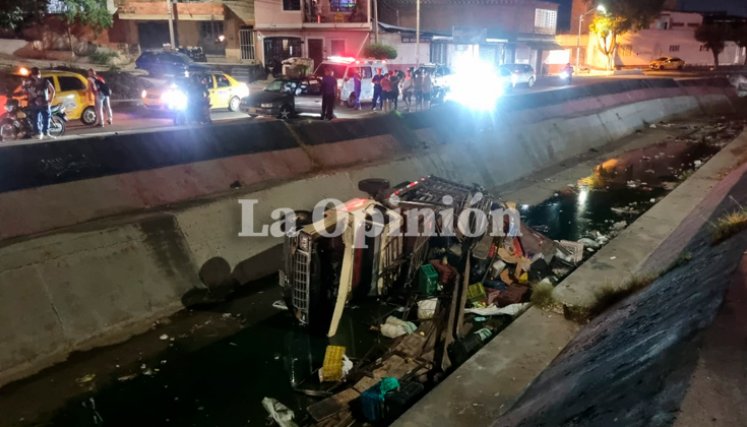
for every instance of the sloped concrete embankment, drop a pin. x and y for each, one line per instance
(102, 234)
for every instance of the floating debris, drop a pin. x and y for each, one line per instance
(85, 379)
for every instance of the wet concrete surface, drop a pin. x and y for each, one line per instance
(213, 367)
(632, 365)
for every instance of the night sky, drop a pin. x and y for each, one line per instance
(734, 7)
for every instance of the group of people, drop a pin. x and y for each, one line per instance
(40, 93)
(387, 88)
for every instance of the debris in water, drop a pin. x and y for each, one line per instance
(85, 379)
(126, 378)
(233, 344)
(652, 126)
(148, 373)
(226, 315)
(280, 305)
(632, 184)
(280, 413)
(652, 200)
(164, 337)
(698, 163)
(619, 225)
(613, 258)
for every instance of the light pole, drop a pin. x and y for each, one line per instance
(417, 33)
(599, 8)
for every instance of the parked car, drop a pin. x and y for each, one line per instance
(285, 98)
(196, 54)
(344, 69)
(667, 63)
(225, 92)
(71, 92)
(168, 64)
(513, 75)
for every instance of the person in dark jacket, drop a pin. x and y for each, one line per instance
(329, 94)
(377, 96)
(357, 90)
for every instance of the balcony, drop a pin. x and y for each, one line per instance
(337, 13)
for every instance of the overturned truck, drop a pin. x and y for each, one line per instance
(375, 246)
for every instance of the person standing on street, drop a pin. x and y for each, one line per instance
(407, 88)
(376, 80)
(100, 91)
(394, 78)
(386, 91)
(357, 91)
(40, 95)
(427, 90)
(329, 94)
(417, 86)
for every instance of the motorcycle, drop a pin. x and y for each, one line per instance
(566, 76)
(185, 112)
(17, 123)
(196, 54)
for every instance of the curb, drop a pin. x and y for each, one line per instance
(490, 382)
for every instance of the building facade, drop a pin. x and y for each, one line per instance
(498, 31)
(313, 29)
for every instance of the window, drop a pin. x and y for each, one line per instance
(364, 72)
(70, 83)
(342, 5)
(222, 81)
(338, 47)
(246, 43)
(678, 24)
(674, 48)
(545, 20)
(291, 5)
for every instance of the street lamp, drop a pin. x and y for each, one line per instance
(600, 9)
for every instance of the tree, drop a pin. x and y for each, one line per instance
(739, 36)
(621, 16)
(15, 13)
(714, 37)
(91, 13)
(379, 51)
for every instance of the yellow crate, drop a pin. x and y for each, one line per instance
(332, 366)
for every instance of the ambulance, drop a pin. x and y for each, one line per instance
(344, 68)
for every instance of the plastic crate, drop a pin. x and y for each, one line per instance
(427, 280)
(332, 366)
(476, 294)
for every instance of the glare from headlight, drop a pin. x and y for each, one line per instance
(242, 90)
(175, 99)
(475, 84)
(144, 93)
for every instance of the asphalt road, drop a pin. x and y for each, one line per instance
(135, 118)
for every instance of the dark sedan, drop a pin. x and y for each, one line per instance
(175, 64)
(284, 98)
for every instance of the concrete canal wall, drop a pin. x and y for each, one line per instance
(100, 235)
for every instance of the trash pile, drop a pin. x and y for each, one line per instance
(452, 293)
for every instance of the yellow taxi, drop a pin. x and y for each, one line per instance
(71, 90)
(225, 92)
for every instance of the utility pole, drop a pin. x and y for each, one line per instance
(170, 7)
(376, 20)
(417, 33)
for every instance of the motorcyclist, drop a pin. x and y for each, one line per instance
(568, 71)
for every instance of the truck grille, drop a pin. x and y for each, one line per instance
(299, 284)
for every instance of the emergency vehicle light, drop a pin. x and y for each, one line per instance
(341, 59)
